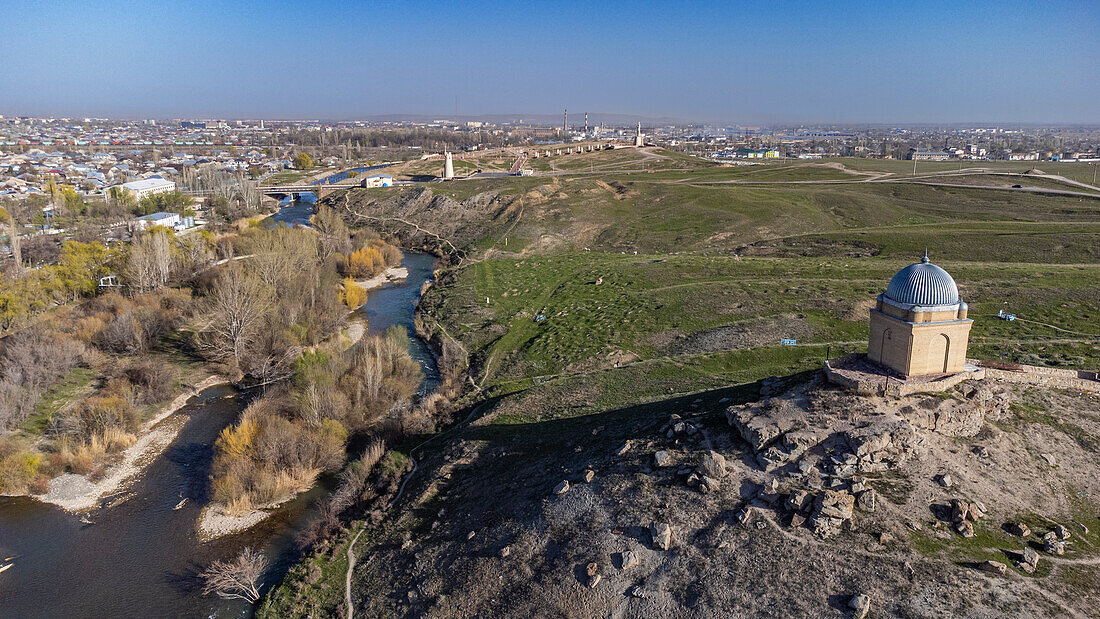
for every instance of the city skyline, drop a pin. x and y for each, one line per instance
(792, 63)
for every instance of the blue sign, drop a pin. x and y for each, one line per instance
(786, 342)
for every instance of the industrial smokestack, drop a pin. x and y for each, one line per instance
(565, 121)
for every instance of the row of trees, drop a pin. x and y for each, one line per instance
(155, 258)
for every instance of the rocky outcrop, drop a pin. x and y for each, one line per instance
(760, 424)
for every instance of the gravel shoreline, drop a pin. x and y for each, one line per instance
(214, 522)
(392, 274)
(77, 493)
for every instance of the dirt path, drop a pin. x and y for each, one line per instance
(347, 578)
(397, 497)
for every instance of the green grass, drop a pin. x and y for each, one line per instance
(1080, 172)
(58, 396)
(643, 302)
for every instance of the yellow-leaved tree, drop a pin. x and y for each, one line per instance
(353, 295)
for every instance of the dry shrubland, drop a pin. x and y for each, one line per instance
(297, 431)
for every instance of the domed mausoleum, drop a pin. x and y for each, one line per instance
(919, 326)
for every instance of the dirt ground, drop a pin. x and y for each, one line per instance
(486, 534)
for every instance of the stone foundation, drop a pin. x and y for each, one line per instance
(1073, 380)
(858, 374)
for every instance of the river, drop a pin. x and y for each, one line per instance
(141, 556)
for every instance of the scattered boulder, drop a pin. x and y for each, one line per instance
(960, 510)
(1031, 557)
(594, 580)
(709, 484)
(835, 504)
(1049, 458)
(760, 428)
(505, 552)
(975, 512)
(744, 517)
(965, 528)
(788, 449)
(662, 458)
(592, 569)
(713, 465)
(661, 532)
(622, 450)
(860, 605)
(1053, 545)
(800, 501)
(867, 500)
(995, 567)
(629, 559)
(637, 592)
(562, 487)
(1019, 529)
(589, 475)
(944, 480)
(1062, 532)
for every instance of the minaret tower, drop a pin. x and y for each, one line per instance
(448, 166)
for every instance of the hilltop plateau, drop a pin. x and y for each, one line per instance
(621, 331)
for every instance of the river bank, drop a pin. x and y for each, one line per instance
(140, 556)
(76, 493)
(216, 520)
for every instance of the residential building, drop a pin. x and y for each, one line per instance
(148, 187)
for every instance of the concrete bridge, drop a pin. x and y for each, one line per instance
(282, 191)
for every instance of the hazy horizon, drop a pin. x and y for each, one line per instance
(845, 64)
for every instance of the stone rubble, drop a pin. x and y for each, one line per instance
(860, 605)
(661, 532)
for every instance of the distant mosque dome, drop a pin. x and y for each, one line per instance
(923, 284)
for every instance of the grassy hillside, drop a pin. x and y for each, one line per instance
(594, 304)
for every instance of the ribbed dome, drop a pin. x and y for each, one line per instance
(923, 284)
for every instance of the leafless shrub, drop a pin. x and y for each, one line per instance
(29, 362)
(238, 579)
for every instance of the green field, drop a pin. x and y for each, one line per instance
(686, 268)
(598, 298)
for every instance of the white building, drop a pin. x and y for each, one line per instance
(378, 180)
(175, 221)
(148, 187)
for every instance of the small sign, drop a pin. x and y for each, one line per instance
(787, 342)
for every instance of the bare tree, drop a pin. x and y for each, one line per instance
(281, 256)
(236, 306)
(12, 232)
(150, 261)
(238, 579)
(335, 238)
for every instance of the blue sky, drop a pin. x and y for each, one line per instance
(740, 62)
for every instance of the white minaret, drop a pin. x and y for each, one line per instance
(639, 139)
(448, 166)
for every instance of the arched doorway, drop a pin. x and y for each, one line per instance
(886, 337)
(939, 350)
